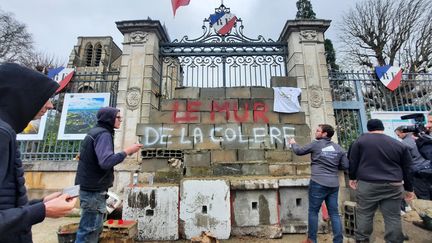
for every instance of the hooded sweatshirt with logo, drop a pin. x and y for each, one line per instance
(23, 92)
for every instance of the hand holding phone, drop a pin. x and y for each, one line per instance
(72, 191)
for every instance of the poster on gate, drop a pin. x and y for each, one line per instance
(392, 119)
(34, 130)
(79, 114)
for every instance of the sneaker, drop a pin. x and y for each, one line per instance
(402, 213)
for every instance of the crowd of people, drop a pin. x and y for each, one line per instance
(382, 170)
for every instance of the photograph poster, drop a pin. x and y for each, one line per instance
(79, 114)
(392, 119)
(34, 130)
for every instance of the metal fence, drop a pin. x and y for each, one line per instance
(357, 94)
(51, 148)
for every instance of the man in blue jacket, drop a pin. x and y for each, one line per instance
(327, 158)
(24, 95)
(95, 172)
(379, 171)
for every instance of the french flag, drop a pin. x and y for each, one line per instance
(390, 76)
(222, 22)
(61, 75)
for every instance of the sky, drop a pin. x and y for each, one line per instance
(56, 24)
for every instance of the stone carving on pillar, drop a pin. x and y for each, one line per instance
(315, 96)
(139, 37)
(308, 35)
(133, 98)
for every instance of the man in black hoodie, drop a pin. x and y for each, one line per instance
(379, 170)
(95, 172)
(24, 95)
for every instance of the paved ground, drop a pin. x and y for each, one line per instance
(45, 232)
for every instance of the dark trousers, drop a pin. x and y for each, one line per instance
(388, 198)
(422, 188)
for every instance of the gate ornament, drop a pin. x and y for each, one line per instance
(315, 98)
(133, 98)
(390, 76)
(222, 20)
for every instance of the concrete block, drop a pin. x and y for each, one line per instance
(205, 104)
(218, 118)
(152, 207)
(242, 92)
(255, 169)
(282, 169)
(254, 184)
(170, 105)
(261, 143)
(248, 128)
(180, 143)
(294, 182)
(185, 117)
(206, 130)
(175, 130)
(266, 93)
(293, 118)
(278, 156)
(254, 208)
(223, 156)
(283, 81)
(250, 155)
(186, 93)
(241, 142)
(170, 176)
(207, 144)
(260, 231)
(205, 206)
(227, 169)
(161, 116)
(197, 159)
(303, 169)
(240, 116)
(294, 209)
(212, 93)
(198, 171)
(152, 165)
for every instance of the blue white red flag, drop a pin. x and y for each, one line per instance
(222, 22)
(61, 75)
(390, 76)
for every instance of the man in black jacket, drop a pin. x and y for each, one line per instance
(379, 170)
(24, 95)
(95, 173)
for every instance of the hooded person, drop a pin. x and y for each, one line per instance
(24, 95)
(95, 173)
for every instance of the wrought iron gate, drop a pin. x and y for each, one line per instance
(216, 60)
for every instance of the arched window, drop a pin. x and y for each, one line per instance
(88, 55)
(98, 54)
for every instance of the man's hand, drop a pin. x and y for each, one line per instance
(353, 184)
(133, 148)
(409, 196)
(59, 206)
(291, 141)
(51, 196)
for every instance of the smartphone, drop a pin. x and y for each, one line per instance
(72, 191)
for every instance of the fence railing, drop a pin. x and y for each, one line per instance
(356, 94)
(50, 147)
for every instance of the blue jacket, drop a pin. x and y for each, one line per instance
(97, 158)
(22, 94)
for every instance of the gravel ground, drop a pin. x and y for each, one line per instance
(46, 232)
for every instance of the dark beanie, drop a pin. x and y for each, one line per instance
(375, 125)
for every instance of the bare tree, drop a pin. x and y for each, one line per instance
(389, 32)
(42, 60)
(15, 42)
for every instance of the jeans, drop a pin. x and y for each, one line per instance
(388, 198)
(93, 209)
(318, 194)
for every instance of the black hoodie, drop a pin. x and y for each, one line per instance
(23, 92)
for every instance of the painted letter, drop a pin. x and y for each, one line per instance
(149, 131)
(182, 137)
(197, 132)
(260, 110)
(216, 107)
(275, 133)
(259, 134)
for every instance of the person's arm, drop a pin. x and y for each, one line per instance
(406, 169)
(354, 158)
(104, 149)
(20, 218)
(344, 162)
(300, 150)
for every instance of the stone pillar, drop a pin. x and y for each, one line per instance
(306, 62)
(140, 77)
